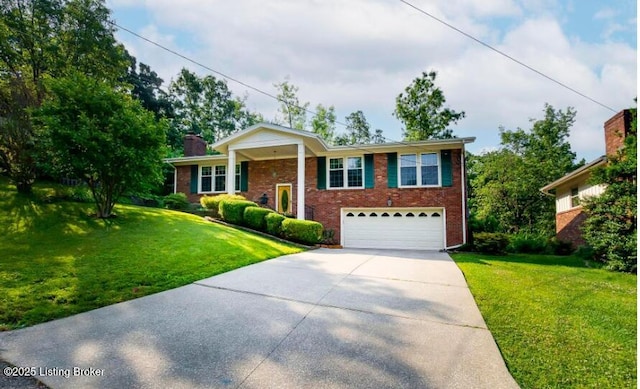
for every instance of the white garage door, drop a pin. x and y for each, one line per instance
(393, 228)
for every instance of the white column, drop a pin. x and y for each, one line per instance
(231, 173)
(301, 188)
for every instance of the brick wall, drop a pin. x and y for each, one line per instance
(568, 226)
(615, 130)
(264, 175)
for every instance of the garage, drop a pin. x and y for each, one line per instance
(393, 228)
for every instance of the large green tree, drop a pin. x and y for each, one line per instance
(206, 106)
(358, 131)
(323, 122)
(40, 39)
(611, 226)
(506, 183)
(421, 108)
(293, 113)
(102, 135)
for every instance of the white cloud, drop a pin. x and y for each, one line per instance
(361, 54)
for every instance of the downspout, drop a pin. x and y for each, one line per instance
(465, 210)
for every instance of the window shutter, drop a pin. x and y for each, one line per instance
(194, 179)
(244, 176)
(322, 172)
(392, 170)
(369, 176)
(447, 170)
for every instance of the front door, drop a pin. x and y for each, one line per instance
(284, 198)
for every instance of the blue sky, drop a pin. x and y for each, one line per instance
(359, 55)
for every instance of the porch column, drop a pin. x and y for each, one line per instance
(301, 180)
(231, 173)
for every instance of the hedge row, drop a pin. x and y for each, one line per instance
(500, 243)
(237, 210)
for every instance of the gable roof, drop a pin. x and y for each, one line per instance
(574, 174)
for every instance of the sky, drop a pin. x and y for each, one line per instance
(360, 54)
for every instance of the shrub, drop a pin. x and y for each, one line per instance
(213, 202)
(274, 223)
(255, 217)
(527, 244)
(559, 247)
(490, 242)
(232, 211)
(303, 231)
(176, 201)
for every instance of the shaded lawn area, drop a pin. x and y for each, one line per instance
(57, 260)
(558, 323)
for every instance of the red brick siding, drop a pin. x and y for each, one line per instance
(615, 130)
(568, 226)
(264, 175)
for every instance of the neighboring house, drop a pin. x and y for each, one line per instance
(393, 195)
(571, 189)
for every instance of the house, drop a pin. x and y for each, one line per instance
(407, 195)
(572, 188)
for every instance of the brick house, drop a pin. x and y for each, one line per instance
(392, 195)
(570, 189)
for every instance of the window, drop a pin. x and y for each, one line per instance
(206, 179)
(213, 178)
(351, 175)
(427, 165)
(575, 197)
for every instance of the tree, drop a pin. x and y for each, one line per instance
(39, 39)
(323, 123)
(358, 130)
(147, 88)
(294, 113)
(611, 225)
(205, 106)
(506, 183)
(103, 136)
(421, 109)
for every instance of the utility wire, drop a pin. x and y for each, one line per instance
(506, 55)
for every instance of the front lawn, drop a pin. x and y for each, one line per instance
(56, 260)
(558, 323)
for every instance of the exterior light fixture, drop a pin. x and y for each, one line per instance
(264, 199)
(389, 202)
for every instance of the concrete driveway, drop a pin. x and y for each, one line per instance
(322, 318)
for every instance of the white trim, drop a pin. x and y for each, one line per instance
(345, 173)
(419, 170)
(175, 179)
(463, 183)
(444, 227)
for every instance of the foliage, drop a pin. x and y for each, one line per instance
(205, 106)
(303, 231)
(490, 242)
(57, 261)
(323, 123)
(611, 225)
(329, 237)
(41, 39)
(274, 223)
(147, 88)
(213, 202)
(232, 211)
(102, 136)
(558, 323)
(506, 183)
(177, 201)
(421, 108)
(527, 243)
(559, 247)
(294, 113)
(255, 217)
(358, 131)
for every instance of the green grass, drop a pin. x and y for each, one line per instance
(557, 322)
(57, 260)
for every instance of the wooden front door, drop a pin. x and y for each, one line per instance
(284, 198)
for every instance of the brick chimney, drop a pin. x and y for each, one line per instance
(615, 130)
(194, 145)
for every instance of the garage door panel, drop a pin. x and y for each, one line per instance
(393, 228)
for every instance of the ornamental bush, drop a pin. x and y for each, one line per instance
(255, 217)
(232, 211)
(490, 242)
(303, 231)
(527, 243)
(213, 202)
(177, 201)
(274, 223)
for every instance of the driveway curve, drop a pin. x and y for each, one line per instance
(323, 318)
